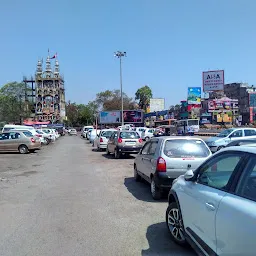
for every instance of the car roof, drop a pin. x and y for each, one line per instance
(18, 130)
(249, 148)
(177, 138)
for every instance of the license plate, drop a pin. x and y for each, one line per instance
(130, 143)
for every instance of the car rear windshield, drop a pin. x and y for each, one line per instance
(183, 148)
(129, 135)
(28, 134)
(106, 134)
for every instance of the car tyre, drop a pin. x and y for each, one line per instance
(23, 149)
(175, 224)
(137, 177)
(117, 154)
(155, 191)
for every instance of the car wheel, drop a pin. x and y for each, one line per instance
(47, 141)
(23, 149)
(175, 224)
(137, 177)
(155, 191)
(117, 154)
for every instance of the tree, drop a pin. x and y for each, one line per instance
(14, 105)
(80, 114)
(144, 94)
(111, 100)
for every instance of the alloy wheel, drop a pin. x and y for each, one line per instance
(175, 224)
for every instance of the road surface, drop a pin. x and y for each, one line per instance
(68, 200)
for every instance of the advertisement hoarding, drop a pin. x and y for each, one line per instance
(213, 81)
(110, 117)
(252, 99)
(156, 105)
(220, 105)
(133, 116)
(194, 95)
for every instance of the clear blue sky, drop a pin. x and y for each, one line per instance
(168, 43)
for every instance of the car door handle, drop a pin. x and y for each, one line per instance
(210, 206)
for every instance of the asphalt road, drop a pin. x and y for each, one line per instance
(68, 200)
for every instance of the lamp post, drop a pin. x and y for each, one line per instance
(119, 55)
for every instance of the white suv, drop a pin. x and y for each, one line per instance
(214, 207)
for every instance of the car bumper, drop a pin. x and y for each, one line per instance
(103, 146)
(36, 145)
(163, 182)
(129, 149)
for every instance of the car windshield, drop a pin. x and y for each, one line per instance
(39, 132)
(106, 134)
(224, 133)
(183, 148)
(129, 135)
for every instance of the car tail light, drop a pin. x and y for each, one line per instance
(119, 140)
(140, 140)
(38, 135)
(101, 140)
(32, 140)
(161, 165)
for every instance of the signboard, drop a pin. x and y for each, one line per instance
(156, 105)
(62, 112)
(194, 95)
(110, 117)
(252, 99)
(221, 105)
(133, 116)
(213, 80)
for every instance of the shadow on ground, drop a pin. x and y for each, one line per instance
(160, 243)
(111, 156)
(141, 190)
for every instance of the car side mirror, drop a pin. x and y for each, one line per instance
(188, 175)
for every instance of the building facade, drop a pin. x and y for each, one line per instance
(50, 93)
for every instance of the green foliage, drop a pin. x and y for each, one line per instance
(111, 100)
(81, 114)
(144, 94)
(13, 106)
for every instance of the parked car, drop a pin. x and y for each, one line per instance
(21, 141)
(101, 140)
(124, 142)
(214, 207)
(93, 134)
(72, 132)
(162, 159)
(223, 138)
(241, 142)
(51, 134)
(85, 130)
(147, 133)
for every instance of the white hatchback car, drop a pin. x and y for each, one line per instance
(214, 207)
(101, 141)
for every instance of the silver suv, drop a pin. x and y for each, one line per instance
(163, 159)
(124, 142)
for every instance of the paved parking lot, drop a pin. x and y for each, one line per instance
(68, 200)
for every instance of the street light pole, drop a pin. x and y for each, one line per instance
(119, 55)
